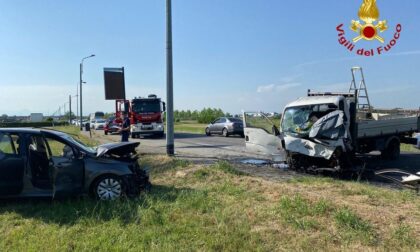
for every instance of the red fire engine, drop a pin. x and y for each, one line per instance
(145, 113)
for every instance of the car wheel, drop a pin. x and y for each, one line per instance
(208, 132)
(225, 132)
(106, 132)
(133, 135)
(108, 187)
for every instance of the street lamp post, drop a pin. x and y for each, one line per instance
(170, 147)
(81, 81)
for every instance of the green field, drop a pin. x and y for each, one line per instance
(218, 208)
(190, 127)
(194, 207)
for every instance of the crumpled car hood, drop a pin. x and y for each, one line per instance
(331, 128)
(308, 148)
(120, 149)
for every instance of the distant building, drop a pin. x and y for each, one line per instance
(36, 117)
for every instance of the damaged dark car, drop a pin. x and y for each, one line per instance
(48, 163)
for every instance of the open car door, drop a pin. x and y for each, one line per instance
(262, 135)
(67, 168)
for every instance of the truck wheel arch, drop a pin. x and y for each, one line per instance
(390, 140)
(392, 148)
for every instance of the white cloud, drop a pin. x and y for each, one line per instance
(287, 86)
(266, 89)
(277, 88)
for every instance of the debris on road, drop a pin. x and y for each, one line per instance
(255, 162)
(401, 177)
(282, 166)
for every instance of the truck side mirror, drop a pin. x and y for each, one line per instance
(164, 106)
(275, 130)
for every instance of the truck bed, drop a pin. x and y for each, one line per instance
(374, 128)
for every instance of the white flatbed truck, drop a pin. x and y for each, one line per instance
(326, 130)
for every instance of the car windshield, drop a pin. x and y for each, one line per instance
(79, 144)
(100, 121)
(299, 120)
(146, 106)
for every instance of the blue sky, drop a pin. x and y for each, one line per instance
(229, 54)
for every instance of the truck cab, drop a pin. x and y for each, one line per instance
(318, 131)
(145, 113)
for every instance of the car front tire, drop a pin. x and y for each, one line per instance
(208, 132)
(108, 187)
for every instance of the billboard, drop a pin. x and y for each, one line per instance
(114, 83)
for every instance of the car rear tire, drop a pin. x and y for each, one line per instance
(108, 187)
(225, 132)
(208, 132)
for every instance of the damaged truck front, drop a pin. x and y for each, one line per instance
(324, 131)
(316, 133)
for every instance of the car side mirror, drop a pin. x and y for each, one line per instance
(82, 155)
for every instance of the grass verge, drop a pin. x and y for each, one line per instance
(213, 207)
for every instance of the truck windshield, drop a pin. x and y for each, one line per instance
(299, 120)
(145, 106)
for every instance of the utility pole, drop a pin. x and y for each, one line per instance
(77, 101)
(80, 96)
(69, 109)
(170, 147)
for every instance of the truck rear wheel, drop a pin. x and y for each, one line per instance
(392, 151)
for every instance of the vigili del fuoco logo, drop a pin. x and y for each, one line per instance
(369, 28)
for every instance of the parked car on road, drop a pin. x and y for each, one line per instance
(99, 124)
(226, 126)
(47, 163)
(112, 126)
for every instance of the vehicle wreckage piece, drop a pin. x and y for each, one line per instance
(401, 177)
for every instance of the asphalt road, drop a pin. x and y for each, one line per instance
(205, 149)
(187, 144)
(233, 148)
